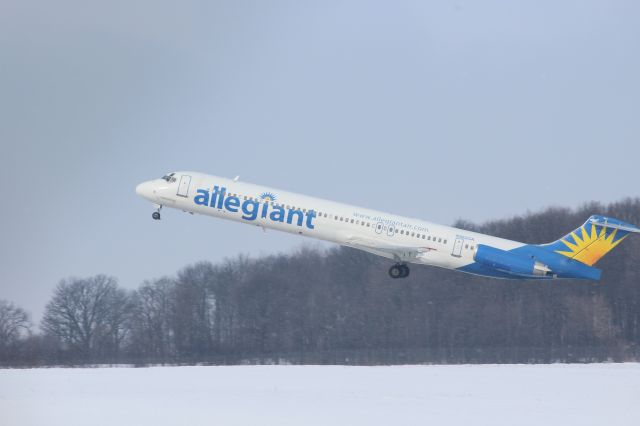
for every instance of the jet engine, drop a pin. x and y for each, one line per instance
(510, 263)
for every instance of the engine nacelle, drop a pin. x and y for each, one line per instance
(510, 263)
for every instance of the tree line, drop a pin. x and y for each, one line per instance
(339, 306)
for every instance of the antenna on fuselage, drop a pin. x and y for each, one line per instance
(235, 179)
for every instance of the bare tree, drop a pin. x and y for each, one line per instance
(87, 315)
(194, 309)
(150, 320)
(117, 314)
(14, 323)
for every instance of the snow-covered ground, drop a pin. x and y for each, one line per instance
(596, 394)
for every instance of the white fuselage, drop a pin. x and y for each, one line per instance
(399, 238)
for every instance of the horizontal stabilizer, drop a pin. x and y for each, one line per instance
(609, 222)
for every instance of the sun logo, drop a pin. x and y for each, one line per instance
(588, 248)
(268, 196)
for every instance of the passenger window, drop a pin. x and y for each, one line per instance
(444, 242)
(423, 236)
(357, 222)
(351, 220)
(412, 234)
(439, 240)
(368, 224)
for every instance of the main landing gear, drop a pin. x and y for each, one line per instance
(399, 270)
(156, 215)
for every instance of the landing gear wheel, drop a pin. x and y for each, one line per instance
(155, 215)
(399, 271)
(395, 271)
(405, 271)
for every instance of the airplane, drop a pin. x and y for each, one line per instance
(401, 239)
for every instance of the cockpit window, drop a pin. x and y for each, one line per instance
(169, 177)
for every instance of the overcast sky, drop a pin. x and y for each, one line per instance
(438, 110)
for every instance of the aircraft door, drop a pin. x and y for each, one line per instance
(391, 230)
(457, 247)
(183, 187)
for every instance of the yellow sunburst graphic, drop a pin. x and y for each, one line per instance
(592, 246)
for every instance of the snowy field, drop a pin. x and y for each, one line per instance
(596, 394)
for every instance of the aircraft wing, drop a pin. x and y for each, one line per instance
(397, 252)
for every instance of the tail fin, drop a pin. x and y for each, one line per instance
(597, 237)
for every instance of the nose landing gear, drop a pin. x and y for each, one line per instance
(399, 270)
(156, 215)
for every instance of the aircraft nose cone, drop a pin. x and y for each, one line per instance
(145, 190)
